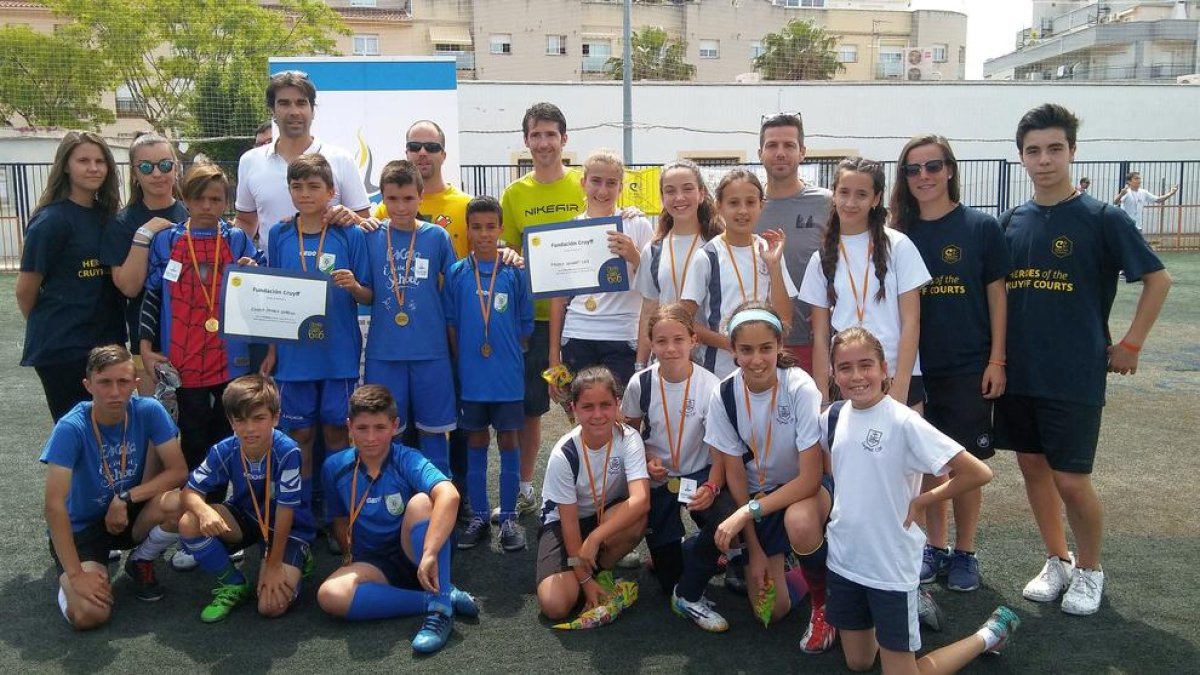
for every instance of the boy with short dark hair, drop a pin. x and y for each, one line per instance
(268, 504)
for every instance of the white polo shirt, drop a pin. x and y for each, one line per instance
(262, 184)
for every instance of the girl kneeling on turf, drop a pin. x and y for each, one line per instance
(763, 421)
(668, 402)
(882, 448)
(595, 497)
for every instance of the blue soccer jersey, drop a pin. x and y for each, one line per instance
(423, 333)
(405, 472)
(500, 376)
(73, 445)
(224, 464)
(334, 346)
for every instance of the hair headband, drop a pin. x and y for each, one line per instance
(754, 315)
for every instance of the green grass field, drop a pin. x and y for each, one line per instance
(1146, 473)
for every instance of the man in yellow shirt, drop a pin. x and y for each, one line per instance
(441, 203)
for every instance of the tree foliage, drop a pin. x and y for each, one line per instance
(52, 80)
(655, 55)
(799, 51)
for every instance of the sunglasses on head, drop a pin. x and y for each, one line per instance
(146, 167)
(432, 147)
(931, 167)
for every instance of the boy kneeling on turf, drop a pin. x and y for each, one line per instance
(98, 496)
(392, 512)
(268, 503)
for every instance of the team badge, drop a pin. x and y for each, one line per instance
(951, 254)
(1061, 247)
(614, 465)
(984, 440)
(689, 407)
(326, 262)
(395, 504)
(783, 414)
(500, 302)
(874, 442)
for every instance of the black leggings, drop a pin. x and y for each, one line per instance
(63, 384)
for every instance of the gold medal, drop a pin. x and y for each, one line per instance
(590, 304)
(486, 350)
(760, 496)
(212, 325)
(401, 318)
(673, 485)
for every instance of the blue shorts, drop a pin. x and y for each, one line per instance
(303, 404)
(893, 614)
(428, 384)
(479, 416)
(396, 567)
(665, 524)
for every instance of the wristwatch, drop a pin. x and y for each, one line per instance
(125, 497)
(755, 510)
(572, 562)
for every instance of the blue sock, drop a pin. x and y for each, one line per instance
(212, 557)
(510, 480)
(437, 450)
(381, 601)
(441, 601)
(477, 461)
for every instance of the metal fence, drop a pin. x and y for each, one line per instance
(990, 185)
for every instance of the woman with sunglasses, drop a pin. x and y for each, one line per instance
(962, 345)
(154, 205)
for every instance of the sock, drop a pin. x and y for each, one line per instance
(797, 586)
(526, 487)
(990, 639)
(381, 601)
(510, 476)
(154, 544)
(962, 552)
(477, 461)
(212, 557)
(668, 564)
(62, 603)
(812, 565)
(437, 450)
(441, 601)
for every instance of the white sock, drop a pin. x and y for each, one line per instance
(62, 603)
(990, 639)
(154, 544)
(527, 488)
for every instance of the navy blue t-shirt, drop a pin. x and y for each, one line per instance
(78, 307)
(964, 251)
(1064, 279)
(118, 239)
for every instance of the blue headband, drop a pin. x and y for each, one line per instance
(754, 315)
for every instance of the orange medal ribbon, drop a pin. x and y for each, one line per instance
(485, 306)
(320, 245)
(355, 510)
(760, 457)
(262, 515)
(675, 445)
(210, 298)
(398, 289)
(598, 505)
(860, 308)
(686, 263)
(738, 273)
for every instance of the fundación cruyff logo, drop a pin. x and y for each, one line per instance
(1061, 247)
(951, 254)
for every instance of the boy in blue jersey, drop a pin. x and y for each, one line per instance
(393, 512)
(317, 374)
(490, 312)
(268, 504)
(98, 496)
(407, 350)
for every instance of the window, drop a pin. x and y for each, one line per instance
(596, 53)
(127, 104)
(440, 48)
(556, 45)
(366, 45)
(710, 49)
(714, 159)
(500, 43)
(756, 49)
(962, 53)
(847, 53)
(363, 3)
(939, 53)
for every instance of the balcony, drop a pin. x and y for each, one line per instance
(463, 60)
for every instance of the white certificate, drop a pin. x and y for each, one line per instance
(270, 305)
(572, 258)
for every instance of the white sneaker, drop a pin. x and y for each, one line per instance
(1051, 581)
(1083, 596)
(183, 561)
(700, 612)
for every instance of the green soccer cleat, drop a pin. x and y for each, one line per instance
(226, 597)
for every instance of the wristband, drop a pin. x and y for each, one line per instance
(125, 497)
(141, 244)
(572, 562)
(992, 362)
(585, 580)
(641, 365)
(145, 232)
(1130, 346)
(716, 491)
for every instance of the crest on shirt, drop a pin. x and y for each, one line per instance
(783, 414)
(614, 465)
(441, 220)
(689, 407)
(326, 262)
(951, 254)
(395, 504)
(1061, 247)
(874, 442)
(500, 302)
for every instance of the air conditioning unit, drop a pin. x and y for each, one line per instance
(1194, 78)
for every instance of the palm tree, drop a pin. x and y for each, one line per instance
(656, 56)
(800, 51)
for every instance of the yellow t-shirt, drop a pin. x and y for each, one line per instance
(527, 202)
(448, 209)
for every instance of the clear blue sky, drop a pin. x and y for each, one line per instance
(991, 26)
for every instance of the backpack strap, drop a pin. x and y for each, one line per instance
(645, 383)
(655, 261)
(835, 410)
(729, 401)
(571, 452)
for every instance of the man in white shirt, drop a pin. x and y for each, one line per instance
(1132, 198)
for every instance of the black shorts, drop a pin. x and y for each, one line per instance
(396, 567)
(616, 355)
(552, 550)
(893, 614)
(955, 405)
(63, 385)
(1064, 431)
(537, 359)
(93, 542)
(665, 524)
(297, 549)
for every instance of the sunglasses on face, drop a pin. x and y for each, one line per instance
(432, 147)
(931, 167)
(146, 167)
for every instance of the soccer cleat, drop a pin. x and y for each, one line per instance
(1003, 623)
(526, 504)
(310, 565)
(1084, 593)
(477, 530)
(145, 580)
(819, 636)
(225, 598)
(700, 612)
(464, 603)
(512, 536)
(183, 561)
(114, 555)
(928, 612)
(434, 633)
(1051, 581)
(934, 563)
(964, 572)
